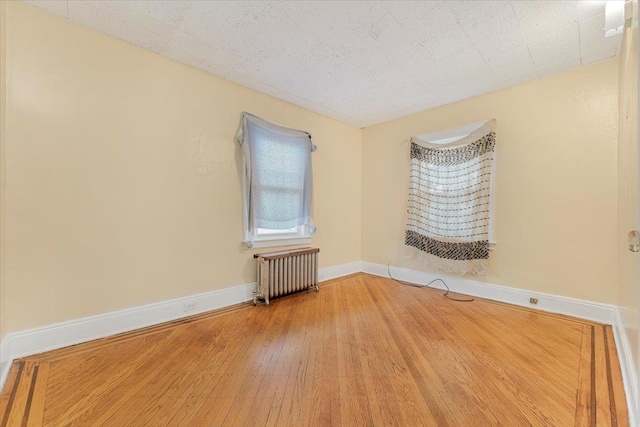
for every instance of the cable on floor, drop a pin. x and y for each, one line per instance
(446, 294)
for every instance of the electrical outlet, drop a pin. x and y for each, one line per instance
(533, 301)
(189, 306)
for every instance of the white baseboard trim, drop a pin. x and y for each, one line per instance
(59, 335)
(628, 368)
(340, 270)
(5, 360)
(603, 313)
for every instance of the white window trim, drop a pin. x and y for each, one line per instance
(452, 135)
(270, 243)
(286, 238)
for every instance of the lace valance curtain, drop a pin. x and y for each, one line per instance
(450, 202)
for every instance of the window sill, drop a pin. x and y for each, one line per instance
(291, 241)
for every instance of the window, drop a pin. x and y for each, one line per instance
(277, 184)
(453, 136)
(449, 202)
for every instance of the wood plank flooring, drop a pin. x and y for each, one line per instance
(364, 351)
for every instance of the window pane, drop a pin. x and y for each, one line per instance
(278, 186)
(281, 168)
(279, 208)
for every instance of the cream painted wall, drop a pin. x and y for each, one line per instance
(555, 182)
(3, 109)
(124, 189)
(628, 203)
(123, 180)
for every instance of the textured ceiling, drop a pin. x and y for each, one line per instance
(360, 62)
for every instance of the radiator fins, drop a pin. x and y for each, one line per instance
(282, 273)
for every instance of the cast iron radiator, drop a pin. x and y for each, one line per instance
(285, 272)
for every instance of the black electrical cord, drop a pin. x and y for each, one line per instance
(446, 294)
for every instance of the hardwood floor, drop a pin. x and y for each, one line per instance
(364, 351)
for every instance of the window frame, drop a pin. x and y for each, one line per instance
(273, 238)
(303, 234)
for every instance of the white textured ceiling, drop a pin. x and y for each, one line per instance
(360, 62)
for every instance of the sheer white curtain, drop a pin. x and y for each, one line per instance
(278, 182)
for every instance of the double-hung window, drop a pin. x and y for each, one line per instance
(277, 183)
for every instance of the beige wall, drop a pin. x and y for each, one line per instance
(3, 109)
(124, 189)
(555, 182)
(628, 206)
(123, 178)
